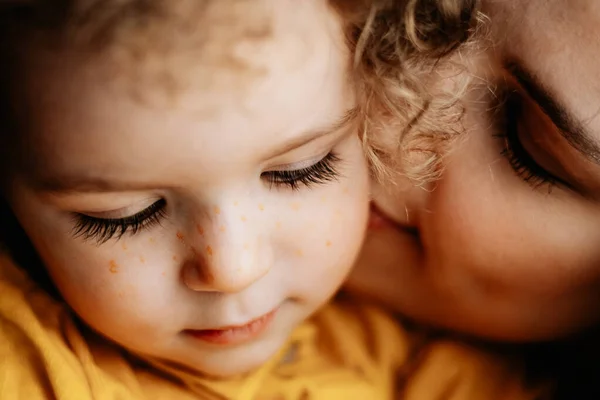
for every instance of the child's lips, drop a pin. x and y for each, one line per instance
(234, 335)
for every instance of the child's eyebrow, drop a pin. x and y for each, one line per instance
(89, 183)
(84, 184)
(340, 124)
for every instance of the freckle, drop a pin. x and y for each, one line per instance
(323, 199)
(174, 258)
(180, 236)
(278, 225)
(346, 190)
(261, 207)
(222, 228)
(164, 273)
(295, 206)
(200, 230)
(151, 240)
(124, 246)
(299, 253)
(235, 203)
(217, 210)
(328, 243)
(113, 267)
(244, 219)
(209, 250)
(142, 259)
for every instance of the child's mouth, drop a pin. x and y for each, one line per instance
(235, 335)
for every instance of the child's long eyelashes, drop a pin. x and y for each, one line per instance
(104, 229)
(323, 171)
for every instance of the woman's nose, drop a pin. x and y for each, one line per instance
(231, 254)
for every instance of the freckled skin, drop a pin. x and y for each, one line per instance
(142, 260)
(261, 207)
(113, 267)
(200, 230)
(199, 163)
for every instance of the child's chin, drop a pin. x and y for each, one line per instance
(241, 360)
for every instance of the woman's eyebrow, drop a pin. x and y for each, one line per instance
(570, 128)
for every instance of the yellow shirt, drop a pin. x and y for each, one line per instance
(347, 351)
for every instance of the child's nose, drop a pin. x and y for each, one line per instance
(231, 256)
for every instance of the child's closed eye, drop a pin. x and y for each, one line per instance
(104, 229)
(321, 172)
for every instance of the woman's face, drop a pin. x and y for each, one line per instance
(507, 244)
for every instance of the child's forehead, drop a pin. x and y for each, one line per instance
(178, 45)
(299, 58)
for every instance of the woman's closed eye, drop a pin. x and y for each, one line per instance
(523, 130)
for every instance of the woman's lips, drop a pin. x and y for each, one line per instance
(377, 220)
(235, 335)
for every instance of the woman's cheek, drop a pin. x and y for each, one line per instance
(505, 235)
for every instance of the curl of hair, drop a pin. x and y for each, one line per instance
(409, 111)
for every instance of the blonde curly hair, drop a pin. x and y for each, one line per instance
(406, 116)
(406, 77)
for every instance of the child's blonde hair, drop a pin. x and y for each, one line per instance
(399, 46)
(403, 52)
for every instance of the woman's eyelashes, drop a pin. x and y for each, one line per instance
(321, 172)
(104, 229)
(522, 162)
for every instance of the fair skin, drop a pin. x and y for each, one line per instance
(491, 249)
(233, 242)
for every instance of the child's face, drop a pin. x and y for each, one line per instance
(239, 203)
